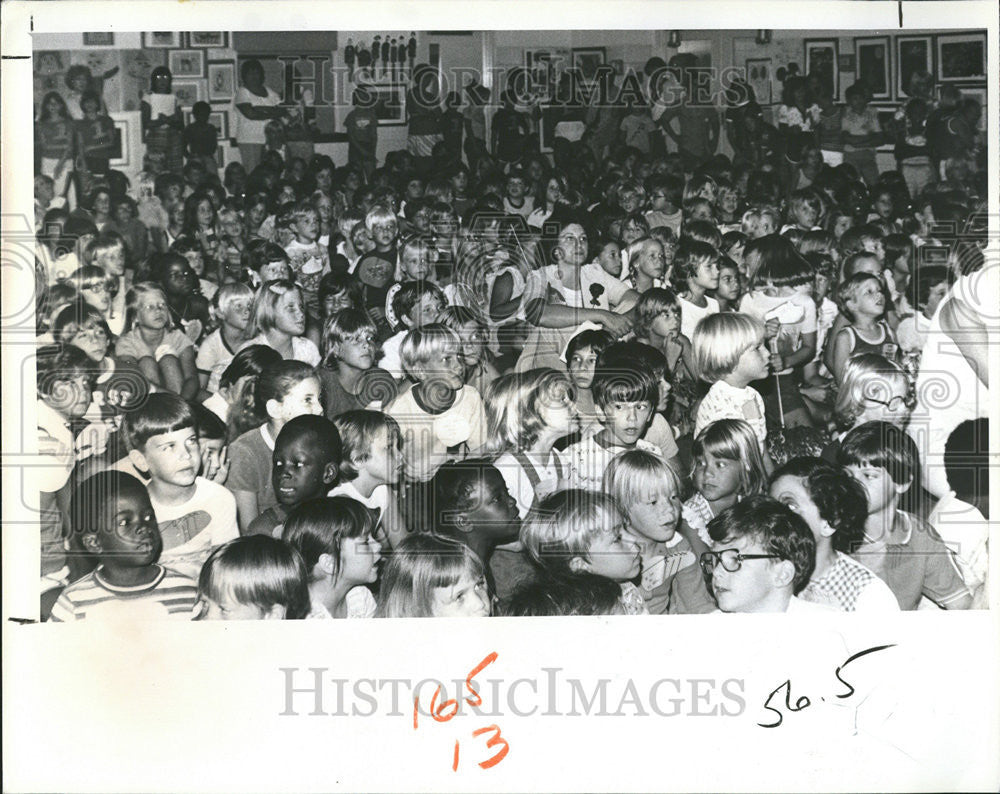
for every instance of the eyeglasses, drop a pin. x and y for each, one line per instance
(894, 403)
(360, 339)
(731, 560)
(92, 330)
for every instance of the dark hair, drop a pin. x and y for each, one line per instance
(839, 498)
(924, 279)
(320, 430)
(208, 423)
(91, 497)
(162, 412)
(60, 363)
(882, 445)
(775, 527)
(409, 294)
(320, 526)
(274, 382)
(78, 312)
(619, 380)
(251, 360)
(966, 462)
(596, 339)
(637, 355)
(453, 485)
(577, 594)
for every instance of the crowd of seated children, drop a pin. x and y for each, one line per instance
(642, 377)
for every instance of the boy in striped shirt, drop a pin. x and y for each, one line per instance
(113, 520)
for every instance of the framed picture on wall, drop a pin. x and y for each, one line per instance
(390, 104)
(187, 63)
(873, 65)
(119, 154)
(221, 81)
(823, 59)
(162, 40)
(98, 39)
(759, 79)
(914, 54)
(217, 118)
(207, 39)
(188, 92)
(587, 59)
(961, 56)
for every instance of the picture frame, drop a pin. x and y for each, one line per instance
(121, 158)
(217, 118)
(186, 63)
(98, 39)
(545, 65)
(822, 57)
(913, 54)
(961, 56)
(547, 121)
(390, 103)
(759, 73)
(873, 65)
(221, 81)
(587, 60)
(188, 92)
(162, 41)
(207, 39)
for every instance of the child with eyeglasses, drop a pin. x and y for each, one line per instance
(762, 557)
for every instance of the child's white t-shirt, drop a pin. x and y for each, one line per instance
(217, 405)
(588, 460)
(390, 361)
(728, 402)
(191, 530)
(519, 483)
(378, 500)
(212, 353)
(757, 304)
(427, 437)
(691, 314)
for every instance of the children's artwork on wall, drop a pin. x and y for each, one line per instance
(120, 152)
(758, 77)
(207, 39)
(873, 64)
(188, 92)
(187, 63)
(914, 55)
(390, 104)
(587, 60)
(217, 118)
(137, 65)
(164, 40)
(50, 71)
(822, 60)
(221, 81)
(98, 39)
(961, 57)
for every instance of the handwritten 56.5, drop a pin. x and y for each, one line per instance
(774, 703)
(447, 709)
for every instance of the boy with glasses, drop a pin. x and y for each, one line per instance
(762, 556)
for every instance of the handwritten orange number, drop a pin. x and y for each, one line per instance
(476, 700)
(493, 742)
(438, 712)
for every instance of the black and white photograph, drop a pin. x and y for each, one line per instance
(387, 434)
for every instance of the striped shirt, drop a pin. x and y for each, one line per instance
(170, 596)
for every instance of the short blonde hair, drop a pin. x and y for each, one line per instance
(421, 343)
(378, 215)
(636, 474)
(563, 526)
(513, 402)
(861, 373)
(266, 303)
(720, 339)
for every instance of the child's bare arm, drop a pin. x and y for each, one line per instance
(171, 374)
(839, 324)
(246, 509)
(502, 302)
(189, 373)
(149, 368)
(692, 537)
(838, 358)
